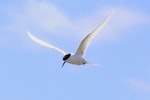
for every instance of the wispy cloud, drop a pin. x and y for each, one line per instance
(138, 84)
(39, 13)
(123, 19)
(35, 15)
(45, 16)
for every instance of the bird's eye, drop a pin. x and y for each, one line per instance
(66, 56)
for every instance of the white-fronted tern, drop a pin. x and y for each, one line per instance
(78, 57)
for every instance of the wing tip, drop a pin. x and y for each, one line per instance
(30, 35)
(113, 10)
(28, 32)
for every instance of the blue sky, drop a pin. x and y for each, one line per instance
(29, 71)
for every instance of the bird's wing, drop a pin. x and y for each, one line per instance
(43, 43)
(87, 40)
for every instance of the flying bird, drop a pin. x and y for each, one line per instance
(76, 58)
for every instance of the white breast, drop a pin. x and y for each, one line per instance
(78, 60)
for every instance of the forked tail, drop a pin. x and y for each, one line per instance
(89, 63)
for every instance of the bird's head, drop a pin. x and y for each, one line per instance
(67, 56)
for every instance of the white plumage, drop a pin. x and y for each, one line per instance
(78, 57)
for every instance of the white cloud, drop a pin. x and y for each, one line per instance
(41, 14)
(127, 19)
(33, 15)
(138, 84)
(44, 16)
(123, 19)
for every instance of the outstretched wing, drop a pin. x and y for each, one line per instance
(87, 40)
(43, 43)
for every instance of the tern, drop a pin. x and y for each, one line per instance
(76, 58)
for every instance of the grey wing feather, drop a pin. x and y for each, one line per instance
(87, 40)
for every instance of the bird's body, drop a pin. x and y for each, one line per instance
(78, 57)
(75, 59)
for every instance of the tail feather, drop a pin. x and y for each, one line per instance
(93, 64)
